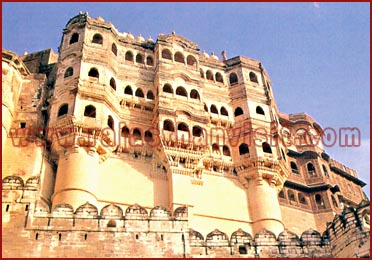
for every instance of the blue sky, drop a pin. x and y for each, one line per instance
(317, 54)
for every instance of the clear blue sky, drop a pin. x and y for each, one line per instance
(317, 54)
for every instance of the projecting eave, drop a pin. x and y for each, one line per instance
(13, 59)
(299, 118)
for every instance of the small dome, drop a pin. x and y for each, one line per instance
(99, 18)
(214, 56)
(129, 35)
(205, 54)
(150, 39)
(140, 38)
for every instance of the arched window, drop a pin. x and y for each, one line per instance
(266, 148)
(325, 170)
(181, 91)
(129, 56)
(148, 136)
(113, 83)
(319, 201)
(166, 54)
(194, 94)
(93, 72)
(226, 150)
(110, 122)
(63, 110)
(259, 110)
(178, 57)
(219, 77)
(69, 72)
(243, 149)
(139, 59)
(74, 38)
(209, 75)
(90, 111)
(224, 111)
(335, 204)
(139, 93)
(281, 194)
(214, 109)
(302, 199)
(233, 78)
(205, 107)
(238, 112)
(216, 149)
(111, 223)
(168, 88)
(253, 77)
(114, 49)
(191, 61)
(168, 125)
(183, 127)
(97, 38)
(311, 169)
(197, 131)
(128, 90)
(150, 95)
(201, 73)
(294, 167)
(291, 196)
(137, 135)
(149, 61)
(125, 132)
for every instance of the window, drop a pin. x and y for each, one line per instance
(114, 49)
(97, 38)
(183, 127)
(319, 201)
(166, 54)
(197, 131)
(311, 169)
(233, 78)
(294, 168)
(219, 77)
(148, 136)
(110, 122)
(150, 95)
(69, 72)
(259, 110)
(139, 93)
(281, 194)
(113, 83)
(205, 107)
(243, 149)
(238, 112)
(214, 109)
(125, 132)
(63, 110)
(22, 125)
(168, 88)
(216, 149)
(266, 148)
(128, 90)
(168, 125)
(209, 75)
(137, 136)
(178, 57)
(253, 77)
(242, 250)
(74, 38)
(201, 73)
(191, 61)
(302, 199)
(90, 111)
(334, 201)
(139, 59)
(181, 91)
(194, 94)
(93, 72)
(226, 150)
(224, 111)
(325, 170)
(129, 56)
(111, 223)
(291, 196)
(149, 61)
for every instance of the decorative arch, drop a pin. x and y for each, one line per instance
(224, 112)
(311, 169)
(97, 38)
(294, 168)
(12, 182)
(129, 56)
(86, 210)
(149, 61)
(139, 93)
(136, 212)
(160, 212)
(125, 132)
(112, 210)
(167, 88)
(168, 125)
(166, 54)
(63, 209)
(233, 78)
(219, 77)
(209, 75)
(181, 91)
(181, 212)
(183, 127)
(238, 111)
(226, 150)
(253, 77)
(216, 149)
(93, 72)
(191, 61)
(197, 131)
(214, 109)
(194, 94)
(139, 59)
(128, 90)
(178, 57)
(150, 95)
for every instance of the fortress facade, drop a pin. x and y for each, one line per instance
(120, 146)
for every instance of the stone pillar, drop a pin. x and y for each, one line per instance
(77, 177)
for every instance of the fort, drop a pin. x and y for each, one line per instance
(120, 146)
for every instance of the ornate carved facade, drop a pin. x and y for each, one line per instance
(163, 144)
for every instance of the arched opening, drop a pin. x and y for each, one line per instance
(209, 75)
(319, 201)
(191, 61)
(113, 83)
(302, 199)
(167, 88)
(201, 73)
(219, 77)
(325, 170)
(183, 127)
(114, 49)
(149, 61)
(243, 149)
(216, 149)
(294, 168)
(194, 94)
(197, 131)
(178, 57)
(166, 54)
(150, 95)
(63, 110)
(97, 38)
(253, 77)
(69, 72)
(181, 91)
(110, 122)
(281, 194)
(148, 136)
(291, 196)
(266, 148)
(224, 111)
(214, 109)
(128, 90)
(125, 132)
(139, 58)
(137, 135)
(90, 111)
(205, 107)
(233, 78)
(139, 93)
(93, 72)
(168, 125)
(111, 223)
(259, 110)
(74, 38)
(129, 56)
(226, 150)
(311, 169)
(238, 112)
